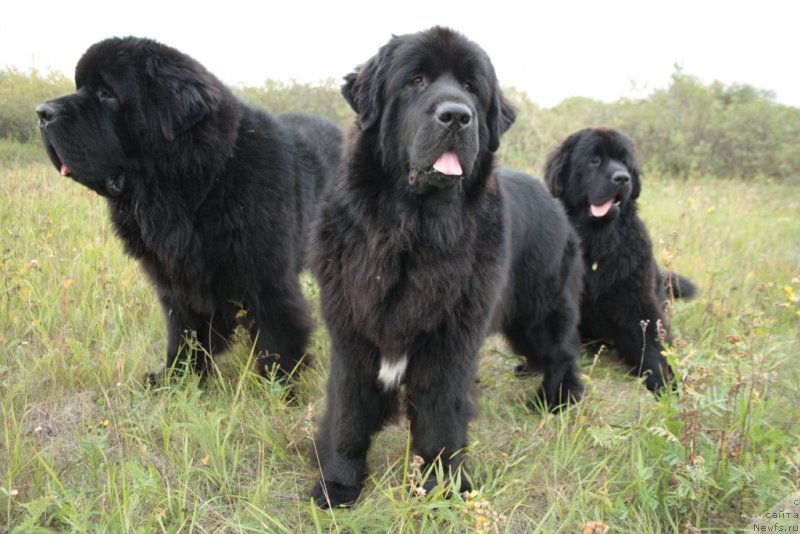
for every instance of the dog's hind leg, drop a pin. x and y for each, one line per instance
(552, 347)
(192, 339)
(281, 325)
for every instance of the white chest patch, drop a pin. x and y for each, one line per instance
(391, 372)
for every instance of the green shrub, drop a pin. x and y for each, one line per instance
(689, 129)
(686, 130)
(20, 92)
(322, 99)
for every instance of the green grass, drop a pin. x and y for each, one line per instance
(84, 447)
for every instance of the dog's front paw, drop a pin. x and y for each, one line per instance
(154, 380)
(660, 383)
(554, 401)
(524, 370)
(333, 494)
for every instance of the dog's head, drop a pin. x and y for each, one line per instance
(432, 101)
(139, 107)
(594, 173)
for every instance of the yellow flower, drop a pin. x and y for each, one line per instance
(469, 494)
(789, 293)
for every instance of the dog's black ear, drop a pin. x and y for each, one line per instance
(183, 93)
(363, 88)
(500, 117)
(556, 169)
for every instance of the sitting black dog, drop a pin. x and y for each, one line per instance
(595, 174)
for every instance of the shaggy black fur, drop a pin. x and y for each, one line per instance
(595, 174)
(213, 197)
(416, 265)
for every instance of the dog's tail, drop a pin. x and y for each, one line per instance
(677, 286)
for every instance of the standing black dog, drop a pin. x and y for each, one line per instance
(595, 174)
(213, 197)
(420, 249)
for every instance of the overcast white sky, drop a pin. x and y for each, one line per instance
(552, 50)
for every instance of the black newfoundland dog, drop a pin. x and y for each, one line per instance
(595, 174)
(420, 249)
(213, 197)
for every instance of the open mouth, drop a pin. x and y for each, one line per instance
(448, 164)
(599, 211)
(56, 159)
(445, 170)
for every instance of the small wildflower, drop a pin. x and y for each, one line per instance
(469, 495)
(415, 476)
(662, 331)
(66, 282)
(593, 527)
(104, 423)
(711, 209)
(486, 519)
(13, 492)
(790, 294)
(733, 339)
(205, 460)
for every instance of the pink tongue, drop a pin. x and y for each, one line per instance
(64, 170)
(600, 211)
(448, 164)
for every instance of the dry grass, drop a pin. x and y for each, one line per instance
(84, 447)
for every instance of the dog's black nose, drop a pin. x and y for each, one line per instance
(46, 111)
(453, 115)
(621, 177)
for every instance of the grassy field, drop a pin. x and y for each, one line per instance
(84, 447)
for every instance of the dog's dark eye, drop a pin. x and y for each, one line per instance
(417, 81)
(596, 160)
(105, 94)
(468, 86)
